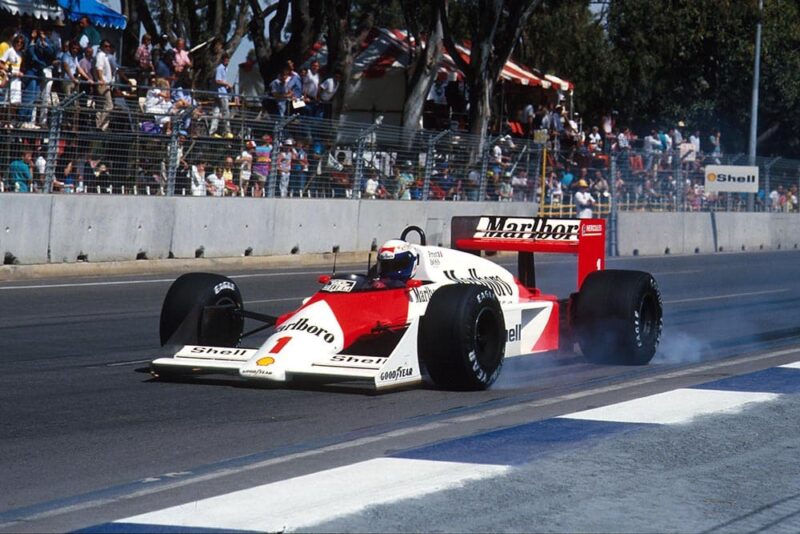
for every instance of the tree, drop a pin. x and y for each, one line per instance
(218, 25)
(426, 52)
(494, 27)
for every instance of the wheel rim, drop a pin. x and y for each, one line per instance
(487, 339)
(648, 318)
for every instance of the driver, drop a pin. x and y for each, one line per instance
(397, 263)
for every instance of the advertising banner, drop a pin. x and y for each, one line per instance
(732, 178)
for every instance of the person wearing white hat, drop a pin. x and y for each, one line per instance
(584, 200)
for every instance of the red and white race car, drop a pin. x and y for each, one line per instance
(447, 314)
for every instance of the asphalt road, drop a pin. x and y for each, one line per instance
(85, 429)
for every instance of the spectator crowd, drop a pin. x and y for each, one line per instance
(221, 151)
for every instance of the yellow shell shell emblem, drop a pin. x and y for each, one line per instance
(712, 177)
(265, 361)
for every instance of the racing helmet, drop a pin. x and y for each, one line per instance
(397, 260)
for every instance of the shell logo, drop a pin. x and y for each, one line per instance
(711, 177)
(265, 361)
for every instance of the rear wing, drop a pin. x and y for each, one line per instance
(526, 235)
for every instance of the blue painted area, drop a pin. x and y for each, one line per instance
(774, 380)
(520, 444)
(136, 528)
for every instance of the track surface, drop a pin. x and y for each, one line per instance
(83, 425)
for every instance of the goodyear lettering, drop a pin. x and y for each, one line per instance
(257, 372)
(224, 285)
(493, 282)
(540, 228)
(219, 352)
(302, 325)
(396, 374)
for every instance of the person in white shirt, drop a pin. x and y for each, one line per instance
(104, 77)
(326, 93)
(198, 174)
(584, 200)
(311, 88)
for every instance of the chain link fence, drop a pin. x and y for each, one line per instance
(159, 140)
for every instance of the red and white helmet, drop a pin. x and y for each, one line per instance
(397, 260)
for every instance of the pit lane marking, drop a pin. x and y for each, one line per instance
(729, 296)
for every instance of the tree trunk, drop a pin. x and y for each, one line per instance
(480, 112)
(422, 78)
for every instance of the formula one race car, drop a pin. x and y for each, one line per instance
(423, 310)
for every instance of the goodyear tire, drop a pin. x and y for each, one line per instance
(462, 337)
(618, 317)
(186, 318)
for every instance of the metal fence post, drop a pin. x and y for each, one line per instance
(613, 248)
(172, 162)
(680, 184)
(430, 155)
(489, 141)
(53, 137)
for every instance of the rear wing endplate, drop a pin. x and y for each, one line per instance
(584, 237)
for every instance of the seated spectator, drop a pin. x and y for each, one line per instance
(373, 188)
(215, 184)
(226, 174)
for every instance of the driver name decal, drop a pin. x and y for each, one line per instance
(339, 286)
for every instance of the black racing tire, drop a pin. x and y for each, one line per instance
(618, 317)
(462, 338)
(183, 320)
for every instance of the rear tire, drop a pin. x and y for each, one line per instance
(184, 320)
(462, 337)
(618, 317)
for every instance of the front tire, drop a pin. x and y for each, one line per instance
(462, 337)
(200, 309)
(618, 317)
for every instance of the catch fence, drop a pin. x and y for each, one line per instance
(162, 141)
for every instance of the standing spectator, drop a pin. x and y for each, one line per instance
(162, 63)
(226, 174)
(284, 164)
(715, 144)
(311, 88)
(11, 62)
(198, 174)
(652, 149)
(584, 200)
(20, 173)
(405, 181)
(215, 185)
(48, 52)
(327, 92)
(279, 91)
(104, 77)
(694, 139)
(34, 61)
(245, 162)
(222, 104)
(299, 169)
(70, 68)
(88, 37)
(144, 59)
(182, 63)
(262, 161)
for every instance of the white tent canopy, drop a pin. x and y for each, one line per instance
(40, 9)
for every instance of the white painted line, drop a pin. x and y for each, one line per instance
(156, 281)
(795, 365)
(674, 407)
(311, 499)
(729, 296)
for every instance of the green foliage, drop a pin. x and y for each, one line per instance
(691, 60)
